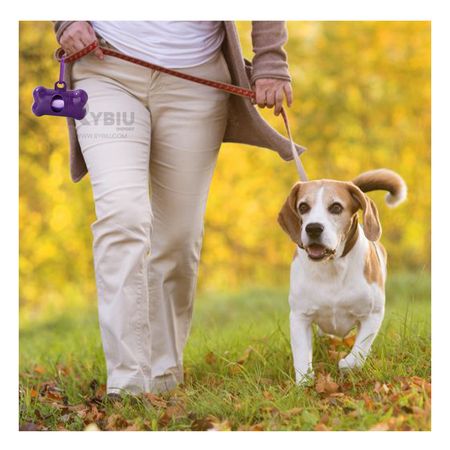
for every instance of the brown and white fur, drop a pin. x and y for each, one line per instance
(339, 267)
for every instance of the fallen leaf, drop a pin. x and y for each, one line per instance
(62, 370)
(77, 408)
(94, 415)
(217, 425)
(291, 413)
(55, 396)
(155, 400)
(200, 424)
(116, 422)
(326, 385)
(39, 369)
(33, 393)
(29, 426)
(382, 426)
(134, 427)
(100, 391)
(368, 402)
(321, 427)
(244, 357)
(349, 341)
(335, 355)
(381, 388)
(172, 412)
(210, 358)
(337, 394)
(334, 342)
(235, 369)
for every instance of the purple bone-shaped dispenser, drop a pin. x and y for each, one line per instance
(59, 101)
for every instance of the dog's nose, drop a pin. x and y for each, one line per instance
(314, 230)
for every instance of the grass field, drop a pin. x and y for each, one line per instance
(238, 371)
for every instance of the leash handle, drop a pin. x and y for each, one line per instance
(235, 90)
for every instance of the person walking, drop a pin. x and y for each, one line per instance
(150, 143)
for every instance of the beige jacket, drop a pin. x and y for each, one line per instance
(245, 124)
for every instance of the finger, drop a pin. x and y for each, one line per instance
(85, 38)
(77, 44)
(253, 99)
(261, 97)
(99, 54)
(288, 91)
(278, 101)
(270, 98)
(68, 45)
(91, 32)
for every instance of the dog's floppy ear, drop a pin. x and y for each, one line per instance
(288, 217)
(371, 219)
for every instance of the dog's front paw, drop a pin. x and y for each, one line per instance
(351, 362)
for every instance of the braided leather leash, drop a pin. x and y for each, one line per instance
(236, 90)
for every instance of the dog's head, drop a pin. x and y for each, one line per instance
(321, 216)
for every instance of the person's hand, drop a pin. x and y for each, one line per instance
(77, 36)
(271, 92)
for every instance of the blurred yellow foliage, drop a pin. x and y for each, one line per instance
(361, 101)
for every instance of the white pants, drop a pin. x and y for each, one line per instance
(150, 142)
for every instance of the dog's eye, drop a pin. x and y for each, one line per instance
(303, 208)
(336, 208)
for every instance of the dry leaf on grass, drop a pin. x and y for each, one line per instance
(381, 388)
(63, 370)
(172, 412)
(349, 341)
(235, 369)
(33, 393)
(326, 385)
(100, 391)
(335, 355)
(39, 369)
(321, 427)
(244, 357)
(30, 426)
(155, 400)
(116, 422)
(217, 425)
(291, 413)
(210, 358)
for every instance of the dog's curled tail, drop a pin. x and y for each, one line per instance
(386, 180)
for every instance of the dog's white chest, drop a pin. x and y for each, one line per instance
(335, 298)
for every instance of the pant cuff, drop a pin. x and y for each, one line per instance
(125, 385)
(138, 385)
(166, 382)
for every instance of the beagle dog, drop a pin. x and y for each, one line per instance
(338, 270)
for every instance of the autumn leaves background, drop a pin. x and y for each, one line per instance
(361, 101)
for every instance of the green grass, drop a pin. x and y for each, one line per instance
(62, 370)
